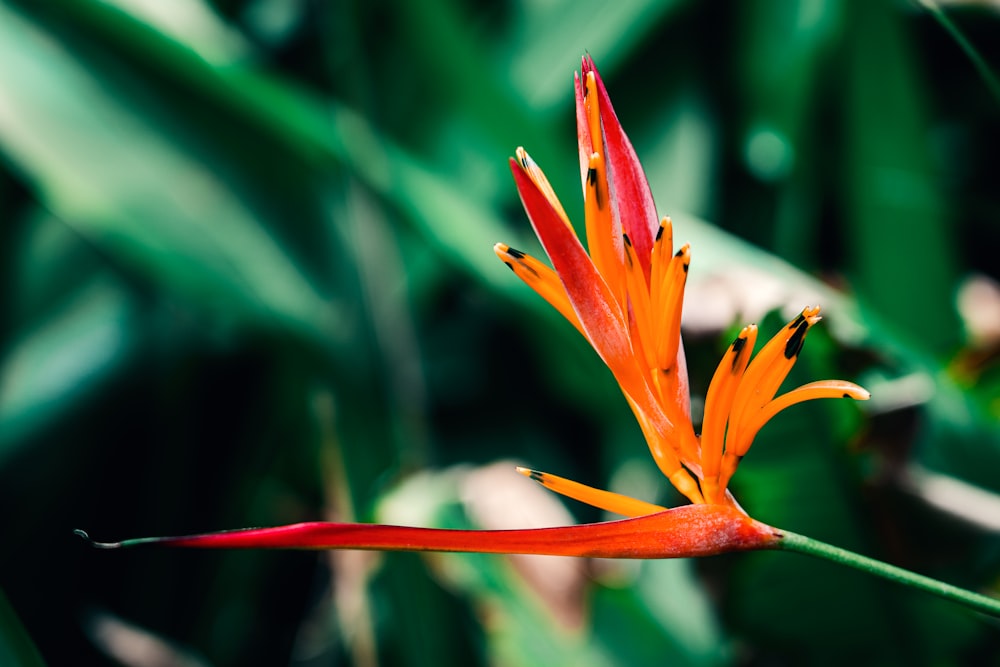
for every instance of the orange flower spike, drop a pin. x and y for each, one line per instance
(628, 295)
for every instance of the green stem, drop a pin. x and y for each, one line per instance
(807, 545)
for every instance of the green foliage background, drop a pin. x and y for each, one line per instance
(248, 280)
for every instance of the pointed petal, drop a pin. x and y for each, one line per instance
(635, 206)
(605, 500)
(688, 531)
(638, 297)
(540, 278)
(718, 403)
(541, 182)
(807, 392)
(598, 311)
(603, 238)
(663, 250)
(670, 369)
(667, 325)
(767, 371)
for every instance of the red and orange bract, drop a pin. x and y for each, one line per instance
(691, 530)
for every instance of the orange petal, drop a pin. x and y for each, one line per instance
(605, 500)
(663, 250)
(638, 298)
(670, 374)
(766, 373)
(667, 325)
(634, 204)
(807, 392)
(718, 403)
(540, 278)
(662, 441)
(603, 238)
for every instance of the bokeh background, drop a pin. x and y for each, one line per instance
(248, 279)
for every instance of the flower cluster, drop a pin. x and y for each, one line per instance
(625, 296)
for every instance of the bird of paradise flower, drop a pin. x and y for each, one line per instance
(625, 297)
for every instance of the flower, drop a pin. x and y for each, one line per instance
(625, 297)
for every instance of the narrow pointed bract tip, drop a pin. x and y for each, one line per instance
(82, 534)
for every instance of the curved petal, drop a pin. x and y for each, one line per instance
(807, 392)
(767, 371)
(605, 500)
(718, 403)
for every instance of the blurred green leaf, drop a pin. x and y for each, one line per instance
(62, 357)
(904, 251)
(135, 192)
(663, 615)
(537, 51)
(16, 647)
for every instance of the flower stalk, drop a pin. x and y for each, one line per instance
(806, 545)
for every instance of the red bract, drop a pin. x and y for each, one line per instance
(692, 530)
